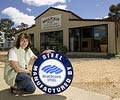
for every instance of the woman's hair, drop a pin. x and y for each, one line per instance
(22, 36)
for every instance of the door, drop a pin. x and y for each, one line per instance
(86, 39)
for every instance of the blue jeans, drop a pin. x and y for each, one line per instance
(24, 82)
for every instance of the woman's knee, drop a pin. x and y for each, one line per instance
(23, 76)
(31, 88)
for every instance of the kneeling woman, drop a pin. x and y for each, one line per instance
(16, 73)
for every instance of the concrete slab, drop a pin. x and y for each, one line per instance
(72, 93)
(116, 99)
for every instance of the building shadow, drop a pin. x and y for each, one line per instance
(6, 95)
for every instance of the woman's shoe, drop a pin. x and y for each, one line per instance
(15, 91)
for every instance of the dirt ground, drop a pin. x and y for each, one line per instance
(92, 74)
(97, 75)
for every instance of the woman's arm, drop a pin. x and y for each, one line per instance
(45, 51)
(15, 65)
(34, 57)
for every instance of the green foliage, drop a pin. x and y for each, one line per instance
(63, 49)
(6, 24)
(104, 40)
(22, 26)
(35, 51)
(114, 11)
(114, 8)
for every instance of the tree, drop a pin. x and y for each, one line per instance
(114, 13)
(1, 37)
(22, 27)
(6, 26)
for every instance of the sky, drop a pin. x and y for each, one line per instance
(25, 11)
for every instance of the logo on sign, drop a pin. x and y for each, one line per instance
(52, 72)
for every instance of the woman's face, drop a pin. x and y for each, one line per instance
(24, 43)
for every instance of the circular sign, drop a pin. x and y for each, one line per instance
(52, 72)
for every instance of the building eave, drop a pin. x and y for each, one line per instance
(109, 20)
(26, 28)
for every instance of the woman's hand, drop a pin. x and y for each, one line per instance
(30, 72)
(48, 51)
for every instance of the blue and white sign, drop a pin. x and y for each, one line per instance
(52, 72)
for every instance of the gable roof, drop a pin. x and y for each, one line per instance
(58, 10)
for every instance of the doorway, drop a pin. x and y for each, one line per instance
(86, 39)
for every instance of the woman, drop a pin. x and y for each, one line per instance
(16, 73)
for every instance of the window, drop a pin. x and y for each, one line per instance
(88, 38)
(84, 44)
(100, 36)
(51, 40)
(86, 32)
(32, 39)
(75, 39)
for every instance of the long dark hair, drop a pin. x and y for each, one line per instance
(22, 36)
